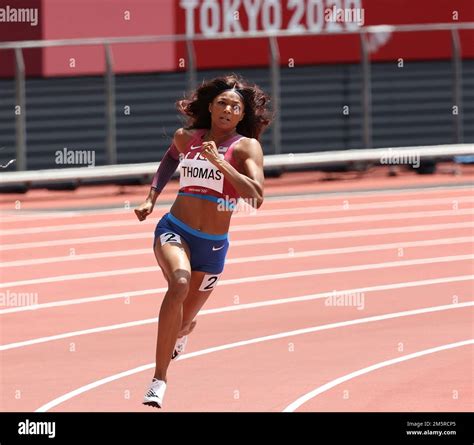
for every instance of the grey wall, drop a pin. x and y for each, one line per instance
(411, 106)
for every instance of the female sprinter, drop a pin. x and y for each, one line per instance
(221, 160)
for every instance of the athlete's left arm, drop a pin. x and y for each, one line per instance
(249, 156)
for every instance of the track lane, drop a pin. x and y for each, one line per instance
(82, 314)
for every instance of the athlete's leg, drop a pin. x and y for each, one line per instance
(173, 258)
(195, 299)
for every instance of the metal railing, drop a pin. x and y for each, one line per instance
(378, 156)
(272, 36)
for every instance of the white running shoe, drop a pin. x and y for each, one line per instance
(179, 347)
(155, 395)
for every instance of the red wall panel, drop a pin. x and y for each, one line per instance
(108, 18)
(62, 19)
(14, 30)
(213, 16)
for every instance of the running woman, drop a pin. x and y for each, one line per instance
(221, 160)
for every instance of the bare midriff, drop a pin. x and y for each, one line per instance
(203, 215)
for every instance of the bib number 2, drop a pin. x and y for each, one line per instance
(209, 282)
(170, 237)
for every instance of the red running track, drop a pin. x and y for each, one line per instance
(357, 301)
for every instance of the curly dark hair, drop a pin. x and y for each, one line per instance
(196, 108)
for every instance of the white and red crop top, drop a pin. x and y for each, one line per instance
(199, 177)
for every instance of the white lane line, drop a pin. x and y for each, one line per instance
(286, 255)
(251, 227)
(391, 192)
(112, 327)
(31, 215)
(57, 401)
(80, 226)
(270, 240)
(326, 387)
(154, 269)
(146, 292)
(60, 303)
(240, 307)
(250, 279)
(352, 219)
(21, 215)
(73, 241)
(345, 206)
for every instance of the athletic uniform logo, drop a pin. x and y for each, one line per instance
(218, 248)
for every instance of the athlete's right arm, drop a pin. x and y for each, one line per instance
(167, 167)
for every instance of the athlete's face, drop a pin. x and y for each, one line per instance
(227, 110)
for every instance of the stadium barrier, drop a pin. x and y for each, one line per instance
(272, 36)
(397, 156)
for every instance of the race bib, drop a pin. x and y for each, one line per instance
(195, 172)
